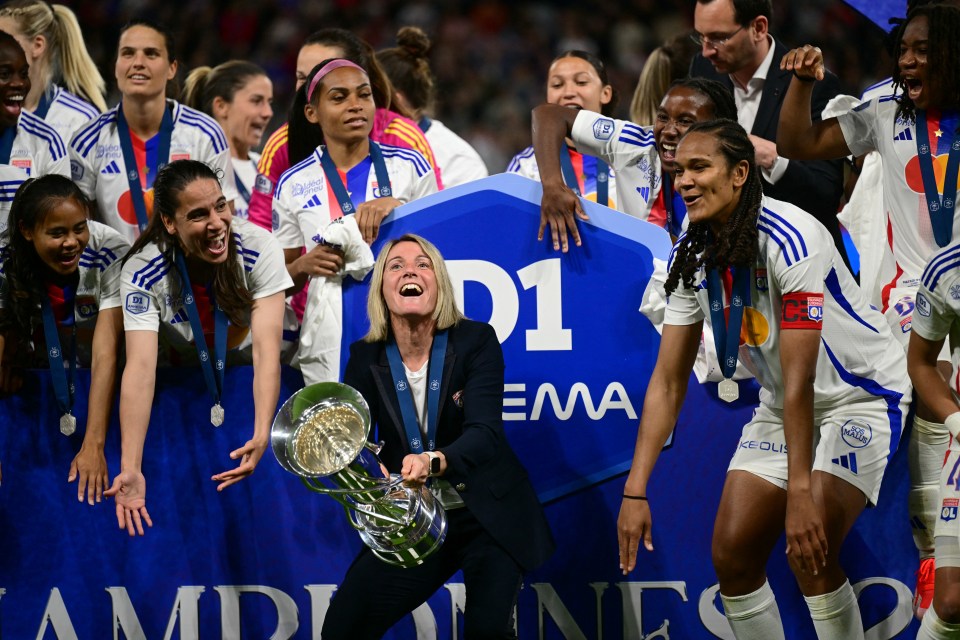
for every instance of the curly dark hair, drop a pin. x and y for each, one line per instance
(231, 293)
(23, 268)
(737, 242)
(943, 47)
(724, 106)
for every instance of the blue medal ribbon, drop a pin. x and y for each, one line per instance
(570, 177)
(726, 338)
(411, 425)
(212, 368)
(6, 144)
(347, 205)
(675, 207)
(941, 210)
(425, 123)
(62, 380)
(46, 99)
(241, 188)
(130, 160)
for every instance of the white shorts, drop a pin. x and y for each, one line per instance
(852, 442)
(899, 316)
(948, 524)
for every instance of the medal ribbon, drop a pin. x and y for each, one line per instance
(62, 381)
(6, 144)
(46, 99)
(726, 338)
(130, 160)
(404, 394)
(941, 210)
(212, 369)
(570, 176)
(675, 207)
(425, 124)
(241, 188)
(340, 190)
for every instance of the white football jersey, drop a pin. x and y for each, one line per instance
(800, 281)
(97, 165)
(937, 314)
(459, 162)
(37, 150)
(630, 150)
(907, 230)
(152, 293)
(304, 203)
(67, 112)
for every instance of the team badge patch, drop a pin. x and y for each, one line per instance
(263, 184)
(955, 292)
(904, 308)
(86, 306)
(856, 433)
(948, 511)
(23, 163)
(923, 305)
(802, 310)
(761, 280)
(815, 308)
(137, 303)
(603, 128)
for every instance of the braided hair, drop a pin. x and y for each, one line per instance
(943, 48)
(737, 242)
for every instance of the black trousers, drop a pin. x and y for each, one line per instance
(374, 595)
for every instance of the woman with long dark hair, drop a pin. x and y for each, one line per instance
(347, 175)
(204, 281)
(834, 390)
(60, 304)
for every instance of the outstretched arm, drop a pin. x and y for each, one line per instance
(266, 325)
(90, 465)
(798, 137)
(664, 397)
(560, 206)
(136, 398)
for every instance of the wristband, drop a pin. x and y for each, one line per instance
(644, 498)
(801, 79)
(952, 423)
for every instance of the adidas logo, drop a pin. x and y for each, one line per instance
(644, 193)
(848, 461)
(111, 168)
(313, 202)
(904, 135)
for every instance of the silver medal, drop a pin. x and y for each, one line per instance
(216, 415)
(728, 390)
(68, 424)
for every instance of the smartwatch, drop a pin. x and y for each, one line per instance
(433, 468)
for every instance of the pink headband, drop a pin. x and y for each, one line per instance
(327, 68)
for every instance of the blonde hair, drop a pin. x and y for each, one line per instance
(655, 78)
(66, 59)
(446, 313)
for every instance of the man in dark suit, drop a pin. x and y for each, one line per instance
(738, 50)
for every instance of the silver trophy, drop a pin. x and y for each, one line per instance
(320, 434)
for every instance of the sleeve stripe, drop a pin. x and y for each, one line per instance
(414, 136)
(274, 144)
(937, 266)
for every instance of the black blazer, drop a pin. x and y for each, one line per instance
(813, 185)
(480, 463)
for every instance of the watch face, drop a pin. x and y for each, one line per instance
(434, 465)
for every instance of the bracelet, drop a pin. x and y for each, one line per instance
(801, 79)
(628, 497)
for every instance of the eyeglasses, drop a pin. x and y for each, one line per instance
(713, 43)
